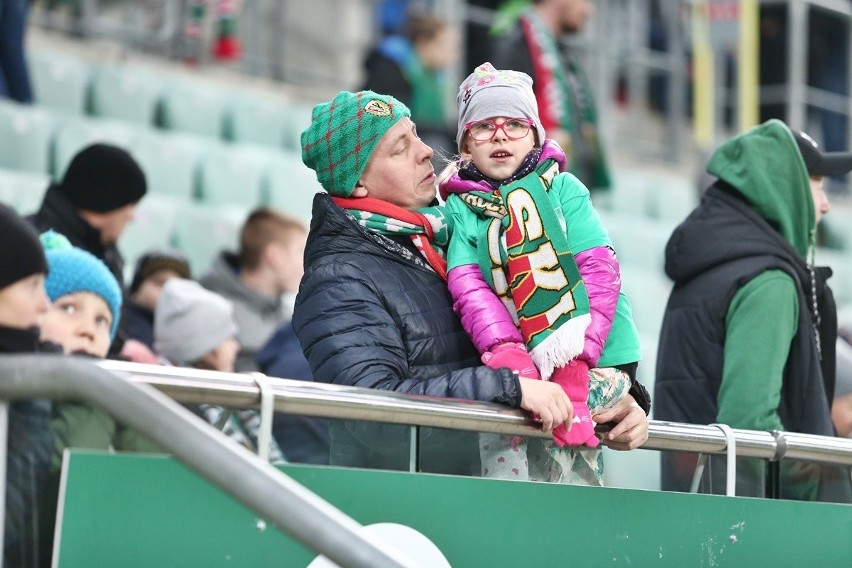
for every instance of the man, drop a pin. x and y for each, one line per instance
(748, 337)
(268, 265)
(95, 201)
(373, 309)
(565, 100)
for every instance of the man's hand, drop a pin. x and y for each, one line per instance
(548, 401)
(631, 428)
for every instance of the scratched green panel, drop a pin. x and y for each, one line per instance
(150, 511)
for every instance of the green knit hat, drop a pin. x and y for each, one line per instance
(343, 134)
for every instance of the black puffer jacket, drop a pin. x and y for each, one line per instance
(367, 316)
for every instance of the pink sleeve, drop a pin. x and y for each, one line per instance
(484, 317)
(602, 276)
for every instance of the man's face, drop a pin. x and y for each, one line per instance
(112, 223)
(821, 205)
(400, 170)
(23, 302)
(288, 261)
(574, 14)
(149, 291)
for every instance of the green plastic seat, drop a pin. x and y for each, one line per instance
(76, 133)
(204, 230)
(648, 291)
(125, 93)
(254, 119)
(60, 81)
(194, 107)
(298, 118)
(26, 134)
(170, 161)
(151, 228)
(233, 174)
(290, 186)
(23, 191)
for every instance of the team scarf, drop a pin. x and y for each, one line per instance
(426, 227)
(565, 100)
(526, 257)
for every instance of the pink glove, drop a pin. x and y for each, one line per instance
(574, 380)
(514, 356)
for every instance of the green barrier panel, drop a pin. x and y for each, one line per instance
(132, 510)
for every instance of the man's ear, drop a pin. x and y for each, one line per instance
(359, 191)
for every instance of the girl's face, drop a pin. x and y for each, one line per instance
(500, 156)
(23, 303)
(80, 323)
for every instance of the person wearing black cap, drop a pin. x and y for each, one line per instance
(748, 337)
(23, 302)
(94, 202)
(153, 270)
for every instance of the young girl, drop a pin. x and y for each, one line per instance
(532, 271)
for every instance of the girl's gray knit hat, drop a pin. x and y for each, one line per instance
(490, 92)
(190, 321)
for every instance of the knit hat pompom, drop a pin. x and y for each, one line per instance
(490, 92)
(74, 270)
(191, 321)
(343, 134)
(21, 254)
(103, 178)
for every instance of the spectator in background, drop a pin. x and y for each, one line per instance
(194, 327)
(565, 98)
(748, 337)
(410, 64)
(94, 202)
(14, 75)
(153, 270)
(268, 265)
(22, 303)
(302, 438)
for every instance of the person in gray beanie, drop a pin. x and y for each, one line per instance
(577, 329)
(195, 327)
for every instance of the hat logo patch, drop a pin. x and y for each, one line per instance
(378, 108)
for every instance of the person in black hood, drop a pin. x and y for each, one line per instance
(749, 332)
(23, 301)
(373, 308)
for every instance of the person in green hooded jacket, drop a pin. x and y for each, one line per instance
(748, 335)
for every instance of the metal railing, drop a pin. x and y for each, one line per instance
(147, 401)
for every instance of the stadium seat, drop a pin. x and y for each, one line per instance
(638, 241)
(841, 266)
(670, 198)
(26, 134)
(151, 228)
(194, 107)
(648, 291)
(76, 133)
(233, 173)
(290, 186)
(60, 81)
(170, 161)
(23, 191)
(254, 119)
(125, 93)
(836, 229)
(204, 230)
(298, 119)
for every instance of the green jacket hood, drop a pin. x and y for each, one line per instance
(765, 165)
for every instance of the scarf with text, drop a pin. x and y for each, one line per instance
(526, 256)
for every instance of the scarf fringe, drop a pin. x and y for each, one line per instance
(562, 346)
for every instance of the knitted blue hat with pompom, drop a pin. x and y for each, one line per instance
(74, 270)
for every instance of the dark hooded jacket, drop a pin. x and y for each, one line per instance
(370, 314)
(58, 213)
(749, 331)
